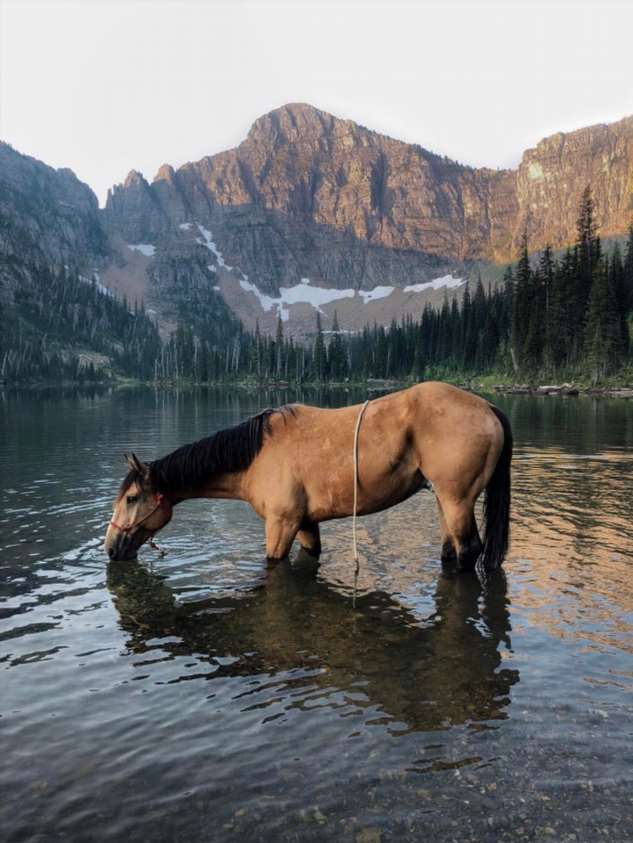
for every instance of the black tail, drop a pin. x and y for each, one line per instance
(497, 501)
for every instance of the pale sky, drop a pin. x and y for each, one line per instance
(104, 87)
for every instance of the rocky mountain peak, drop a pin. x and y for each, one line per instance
(48, 218)
(134, 179)
(312, 211)
(311, 195)
(132, 210)
(165, 173)
(291, 123)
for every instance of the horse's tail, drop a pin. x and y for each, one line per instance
(497, 501)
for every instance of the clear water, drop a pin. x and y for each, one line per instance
(207, 696)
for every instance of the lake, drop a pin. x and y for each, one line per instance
(207, 696)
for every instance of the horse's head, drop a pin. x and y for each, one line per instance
(139, 512)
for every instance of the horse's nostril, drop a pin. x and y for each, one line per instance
(111, 552)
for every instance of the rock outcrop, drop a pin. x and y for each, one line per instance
(551, 177)
(47, 216)
(309, 212)
(309, 195)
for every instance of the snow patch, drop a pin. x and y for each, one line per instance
(302, 293)
(266, 302)
(375, 293)
(207, 240)
(447, 281)
(144, 248)
(185, 226)
(306, 293)
(316, 296)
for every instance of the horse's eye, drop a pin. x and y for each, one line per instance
(132, 498)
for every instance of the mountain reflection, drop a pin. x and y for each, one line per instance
(447, 671)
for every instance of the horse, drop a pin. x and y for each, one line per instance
(299, 465)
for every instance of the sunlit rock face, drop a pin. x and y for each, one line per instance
(552, 176)
(306, 195)
(309, 195)
(312, 213)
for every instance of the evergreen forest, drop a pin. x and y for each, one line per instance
(556, 317)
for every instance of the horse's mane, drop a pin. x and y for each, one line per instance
(224, 452)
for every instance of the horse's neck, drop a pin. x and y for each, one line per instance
(224, 486)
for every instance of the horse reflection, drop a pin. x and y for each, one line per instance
(429, 675)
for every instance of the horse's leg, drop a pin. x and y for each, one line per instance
(310, 537)
(462, 529)
(449, 554)
(280, 534)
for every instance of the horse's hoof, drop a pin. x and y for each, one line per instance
(305, 562)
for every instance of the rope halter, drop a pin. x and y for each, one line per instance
(159, 498)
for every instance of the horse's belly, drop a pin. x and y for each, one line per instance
(394, 491)
(374, 496)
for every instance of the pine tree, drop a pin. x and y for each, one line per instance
(320, 359)
(588, 244)
(557, 326)
(546, 270)
(618, 283)
(521, 306)
(479, 318)
(279, 348)
(603, 339)
(627, 282)
(467, 334)
(534, 340)
(337, 361)
(257, 353)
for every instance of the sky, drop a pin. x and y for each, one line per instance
(106, 87)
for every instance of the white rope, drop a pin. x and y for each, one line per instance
(354, 544)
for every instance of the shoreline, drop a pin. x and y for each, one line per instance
(371, 385)
(564, 390)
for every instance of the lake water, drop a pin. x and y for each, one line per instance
(207, 696)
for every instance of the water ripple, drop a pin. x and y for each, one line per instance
(207, 690)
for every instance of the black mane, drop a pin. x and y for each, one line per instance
(224, 452)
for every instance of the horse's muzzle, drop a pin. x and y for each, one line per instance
(124, 548)
(119, 557)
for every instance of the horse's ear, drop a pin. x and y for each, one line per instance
(136, 465)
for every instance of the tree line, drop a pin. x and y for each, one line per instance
(559, 316)
(60, 324)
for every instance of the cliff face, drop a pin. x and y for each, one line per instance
(309, 212)
(551, 178)
(307, 194)
(47, 216)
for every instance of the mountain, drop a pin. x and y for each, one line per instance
(47, 217)
(57, 321)
(309, 203)
(309, 213)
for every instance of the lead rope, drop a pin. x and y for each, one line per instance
(155, 547)
(354, 544)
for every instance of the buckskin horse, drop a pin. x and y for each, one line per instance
(296, 467)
